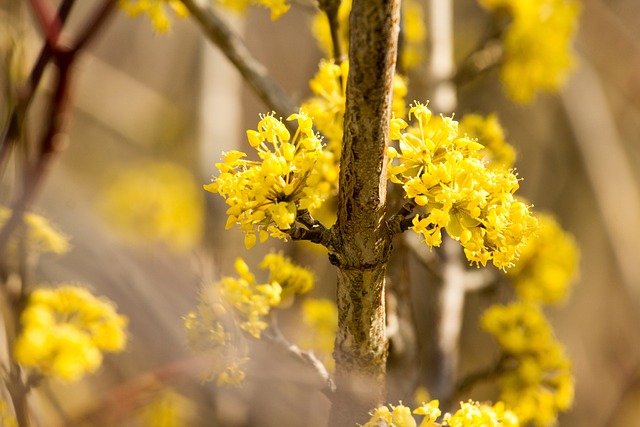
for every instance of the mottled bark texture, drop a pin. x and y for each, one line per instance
(362, 238)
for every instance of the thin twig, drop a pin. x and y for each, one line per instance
(308, 357)
(219, 33)
(330, 8)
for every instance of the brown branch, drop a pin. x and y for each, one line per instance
(254, 73)
(330, 8)
(400, 221)
(363, 241)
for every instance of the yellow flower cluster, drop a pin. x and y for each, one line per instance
(168, 409)
(489, 133)
(155, 202)
(320, 316)
(156, 10)
(548, 264)
(415, 35)
(293, 279)
(537, 51)
(470, 414)
(536, 381)
(327, 108)
(277, 7)
(445, 174)
(414, 30)
(42, 236)
(265, 196)
(241, 302)
(251, 301)
(65, 331)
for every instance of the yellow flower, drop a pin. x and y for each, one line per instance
(168, 409)
(537, 51)
(444, 173)
(474, 414)
(470, 414)
(65, 331)
(415, 35)
(537, 381)
(156, 10)
(155, 202)
(42, 236)
(277, 7)
(488, 132)
(292, 278)
(264, 196)
(320, 316)
(548, 264)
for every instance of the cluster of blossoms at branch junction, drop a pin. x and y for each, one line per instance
(265, 196)
(444, 173)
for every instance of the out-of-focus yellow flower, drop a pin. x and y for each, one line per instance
(488, 132)
(65, 330)
(445, 174)
(42, 236)
(236, 304)
(156, 10)
(277, 7)
(537, 380)
(293, 279)
(264, 196)
(320, 316)
(155, 202)
(415, 35)
(548, 264)
(537, 44)
(168, 409)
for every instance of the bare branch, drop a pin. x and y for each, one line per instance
(219, 33)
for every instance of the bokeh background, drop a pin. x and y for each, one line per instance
(141, 97)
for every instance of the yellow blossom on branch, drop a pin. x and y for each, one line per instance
(41, 235)
(537, 44)
(320, 316)
(548, 264)
(536, 375)
(264, 196)
(240, 304)
(156, 10)
(489, 133)
(65, 330)
(444, 174)
(470, 414)
(277, 7)
(155, 202)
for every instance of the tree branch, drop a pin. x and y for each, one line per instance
(235, 50)
(363, 241)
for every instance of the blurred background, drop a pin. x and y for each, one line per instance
(142, 100)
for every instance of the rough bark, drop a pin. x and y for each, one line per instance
(363, 240)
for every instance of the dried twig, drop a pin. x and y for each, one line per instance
(219, 33)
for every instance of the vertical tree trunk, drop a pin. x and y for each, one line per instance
(361, 234)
